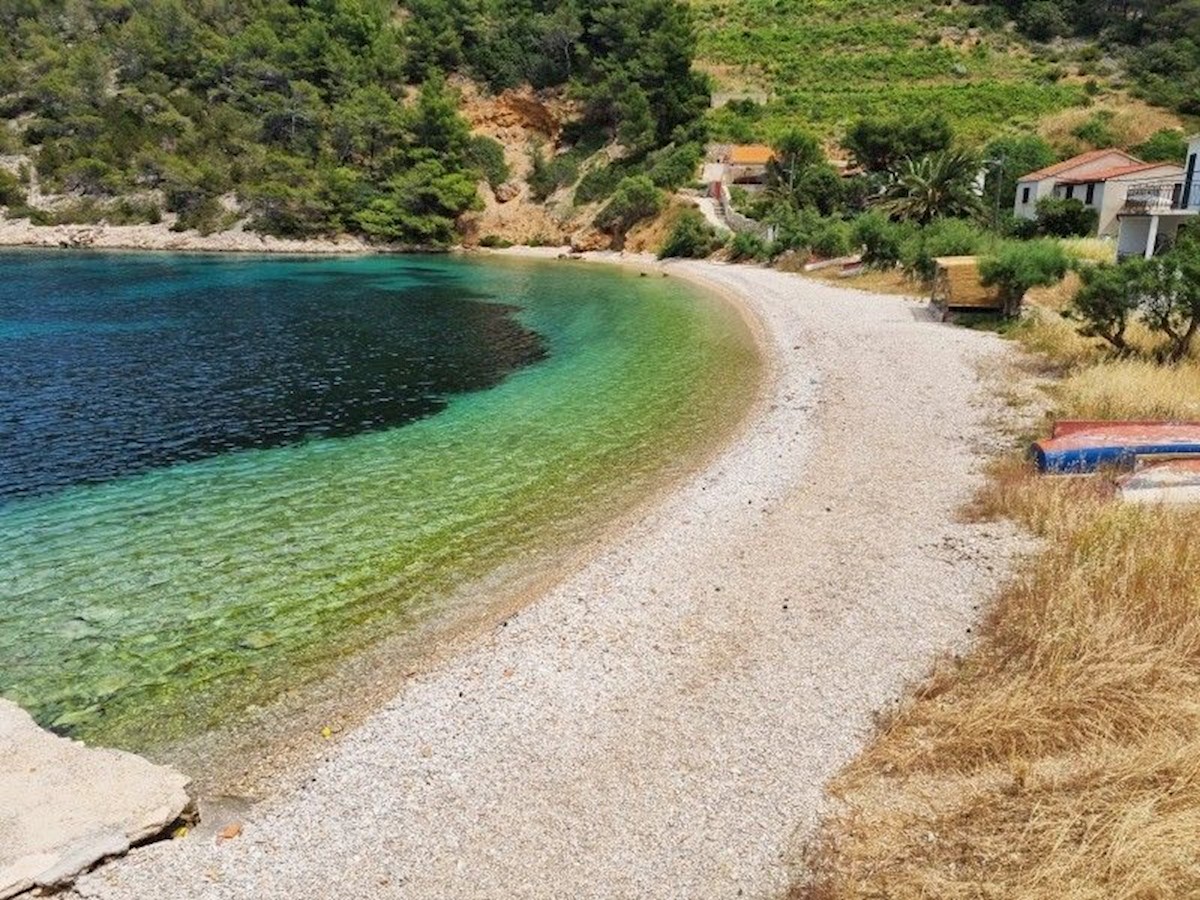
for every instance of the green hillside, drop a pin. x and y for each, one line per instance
(826, 63)
(831, 61)
(311, 117)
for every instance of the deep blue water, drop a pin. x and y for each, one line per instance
(116, 364)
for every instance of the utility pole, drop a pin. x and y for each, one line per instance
(998, 169)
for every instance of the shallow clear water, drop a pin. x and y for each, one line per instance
(220, 475)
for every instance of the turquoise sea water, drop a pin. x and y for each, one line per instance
(222, 475)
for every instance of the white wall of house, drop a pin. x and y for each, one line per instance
(1028, 194)
(1134, 233)
(1025, 205)
(1108, 197)
(1117, 192)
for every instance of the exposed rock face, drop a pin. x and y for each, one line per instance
(507, 191)
(65, 806)
(520, 119)
(587, 239)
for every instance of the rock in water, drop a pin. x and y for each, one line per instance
(65, 806)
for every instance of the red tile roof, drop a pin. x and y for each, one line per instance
(1074, 161)
(1115, 172)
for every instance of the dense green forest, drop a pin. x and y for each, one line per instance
(321, 116)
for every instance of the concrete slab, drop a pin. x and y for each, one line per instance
(65, 806)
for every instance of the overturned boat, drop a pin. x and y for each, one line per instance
(1162, 481)
(1085, 446)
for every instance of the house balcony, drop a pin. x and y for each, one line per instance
(1150, 198)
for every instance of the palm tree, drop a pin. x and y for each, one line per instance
(938, 185)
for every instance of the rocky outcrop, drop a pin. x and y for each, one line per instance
(65, 806)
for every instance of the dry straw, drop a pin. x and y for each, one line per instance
(1062, 757)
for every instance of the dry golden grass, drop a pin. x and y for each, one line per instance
(877, 281)
(1061, 758)
(1134, 389)
(1133, 122)
(1093, 250)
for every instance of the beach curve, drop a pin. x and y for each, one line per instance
(662, 722)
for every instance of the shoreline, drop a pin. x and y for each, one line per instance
(364, 681)
(662, 721)
(17, 233)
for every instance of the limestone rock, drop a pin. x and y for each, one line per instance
(65, 806)
(506, 192)
(588, 239)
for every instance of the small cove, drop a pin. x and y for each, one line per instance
(378, 433)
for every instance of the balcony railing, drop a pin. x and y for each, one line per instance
(1151, 197)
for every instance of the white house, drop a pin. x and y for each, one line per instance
(1157, 208)
(1099, 179)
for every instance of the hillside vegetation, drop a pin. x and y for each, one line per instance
(989, 68)
(826, 63)
(311, 117)
(322, 117)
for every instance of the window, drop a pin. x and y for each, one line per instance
(1091, 194)
(1070, 192)
(1024, 196)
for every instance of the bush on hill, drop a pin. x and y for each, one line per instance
(1165, 145)
(880, 145)
(690, 238)
(1160, 40)
(635, 198)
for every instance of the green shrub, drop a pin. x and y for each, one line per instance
(691, 238)
(1165, 145)
(747, 246)
(878, 144)
(487, 156)
(1106, 302)
(1163, 293)
(11, 191)
(1097, 130)
(674, 166)
(831, 239)
(944, 237)
(881, 239)
(90, 176)
(794, 228)
(598, 183)
(547, 176)
(1017, 266)
(494, 241)
(1061, 217)
(635, 198)
(1043, 20)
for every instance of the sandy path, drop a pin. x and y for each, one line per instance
(661, 725)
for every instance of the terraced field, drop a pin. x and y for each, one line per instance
(827, 62)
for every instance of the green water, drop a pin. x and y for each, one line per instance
(153, 607)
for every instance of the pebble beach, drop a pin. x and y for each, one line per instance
(662, 723)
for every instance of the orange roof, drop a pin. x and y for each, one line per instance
(1074, 161)
(750, 155)
(1115, 172)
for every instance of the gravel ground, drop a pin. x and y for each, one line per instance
(662, 723)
